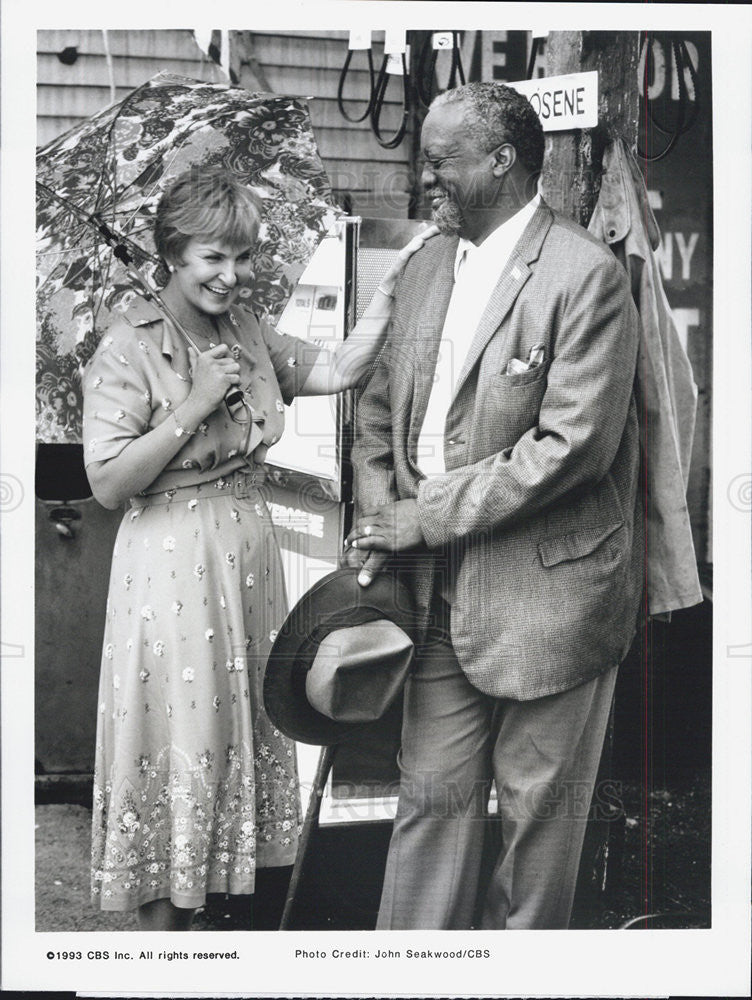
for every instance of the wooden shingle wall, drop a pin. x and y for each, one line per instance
(302, 64)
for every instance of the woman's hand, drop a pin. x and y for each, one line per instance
(213, 372)
(346, 367)
(388, 282)
(143, 459)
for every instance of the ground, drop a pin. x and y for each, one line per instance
(659, 863)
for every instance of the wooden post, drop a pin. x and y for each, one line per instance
(574, 160)
(417, 208)
(245, 64)
(571, 183)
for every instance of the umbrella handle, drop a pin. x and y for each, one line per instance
(234, 396)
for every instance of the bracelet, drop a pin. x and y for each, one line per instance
(389, 295)
(180, 431)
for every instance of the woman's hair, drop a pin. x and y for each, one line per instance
(205, 202)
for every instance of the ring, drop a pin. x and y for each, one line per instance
(367, 529)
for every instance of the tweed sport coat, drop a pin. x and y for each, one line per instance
(537, 521)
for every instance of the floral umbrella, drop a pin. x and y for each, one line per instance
(114, 167)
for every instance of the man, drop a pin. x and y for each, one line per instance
(521, 534)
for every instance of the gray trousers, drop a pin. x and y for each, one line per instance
(543, 757)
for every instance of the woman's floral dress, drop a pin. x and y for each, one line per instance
(194, 788)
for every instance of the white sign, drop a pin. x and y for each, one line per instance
(395, 42)
(442, 40)
(563, 102)
(359, 39)
(315, 311)
(294, 519)
(394, 62)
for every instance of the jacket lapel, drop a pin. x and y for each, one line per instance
(510, 283)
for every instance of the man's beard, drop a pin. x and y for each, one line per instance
(448, 214)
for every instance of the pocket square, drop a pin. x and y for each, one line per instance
(535, 358)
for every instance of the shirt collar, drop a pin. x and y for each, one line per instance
(144, 312)
(511, 230)
(141, 311)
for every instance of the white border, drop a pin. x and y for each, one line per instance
(576, 963)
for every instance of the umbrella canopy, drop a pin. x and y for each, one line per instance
(115, 166)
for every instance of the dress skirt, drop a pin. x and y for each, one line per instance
(194, 788)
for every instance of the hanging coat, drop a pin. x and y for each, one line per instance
(666, 391)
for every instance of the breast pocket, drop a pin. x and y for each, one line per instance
(520, 380)
(512, 406)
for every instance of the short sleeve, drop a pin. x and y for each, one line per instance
(292, 359)
(117, 399)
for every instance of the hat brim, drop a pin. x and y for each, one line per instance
(336, 601)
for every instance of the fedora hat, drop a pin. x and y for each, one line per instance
(341, 657)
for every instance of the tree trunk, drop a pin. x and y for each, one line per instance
(574, 160)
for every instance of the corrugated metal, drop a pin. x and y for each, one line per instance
(304, 64)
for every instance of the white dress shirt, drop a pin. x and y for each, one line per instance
(476, 271)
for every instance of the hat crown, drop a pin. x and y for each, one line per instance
(318, 689)
(358, 671)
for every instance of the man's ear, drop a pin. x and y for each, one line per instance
(505, 157)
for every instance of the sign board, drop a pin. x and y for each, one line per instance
(315, 311)
(563, 102)
(359, 39)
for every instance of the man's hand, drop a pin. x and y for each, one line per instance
(379, 531)
(369, 563)
(391, 528)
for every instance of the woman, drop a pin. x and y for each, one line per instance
(194, 788)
